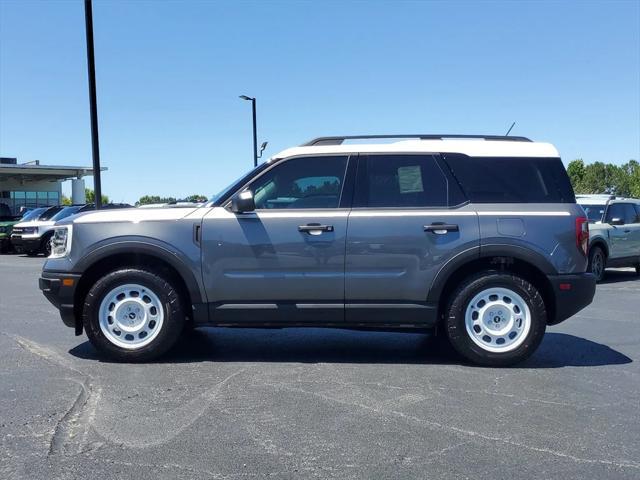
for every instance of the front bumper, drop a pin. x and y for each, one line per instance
(26, 244)
(60, 289)
(572, 293)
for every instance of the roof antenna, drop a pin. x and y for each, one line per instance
(509, 131)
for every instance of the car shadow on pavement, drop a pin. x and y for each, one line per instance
(315, 345)
(616, 276)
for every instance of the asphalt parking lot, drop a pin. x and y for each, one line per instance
(317, 403)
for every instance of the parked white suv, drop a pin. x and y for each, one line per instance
(614, 228)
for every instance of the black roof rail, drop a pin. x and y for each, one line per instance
(338, 140)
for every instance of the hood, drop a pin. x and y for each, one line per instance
(34, 223)
(135, 215)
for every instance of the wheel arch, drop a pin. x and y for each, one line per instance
(138, 255)
(600, 242)
(530, 265)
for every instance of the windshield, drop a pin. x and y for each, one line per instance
(47, 215)
(225, 192)
(65, 212)
(594, 212)
(32, 214)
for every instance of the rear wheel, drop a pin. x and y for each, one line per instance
(597, 262)
(133, 315)
(496, 319)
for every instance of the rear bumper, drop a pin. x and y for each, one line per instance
(572, 293)
(61, 294)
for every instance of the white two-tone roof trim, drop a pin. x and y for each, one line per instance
(473, 148)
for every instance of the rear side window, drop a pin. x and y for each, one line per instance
(637, 213)
(594, 212)
(388, 181)
(511, 180)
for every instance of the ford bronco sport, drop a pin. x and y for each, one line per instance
(614, 232)
(476, 237)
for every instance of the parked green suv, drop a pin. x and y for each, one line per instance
(7, 221)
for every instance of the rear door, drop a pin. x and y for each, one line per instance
(402, 229)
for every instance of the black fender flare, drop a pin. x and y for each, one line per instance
(150, 247)
(493, 250)
(601, 242)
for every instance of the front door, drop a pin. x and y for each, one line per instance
(284, 262)
(622, 244)
(401, 232)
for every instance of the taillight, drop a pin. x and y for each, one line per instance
(582, 234)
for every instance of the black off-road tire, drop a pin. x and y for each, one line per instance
(45, 248)
(172, 305)
(454, 322)
(597, 262)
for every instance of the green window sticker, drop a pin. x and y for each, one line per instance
(410, 179)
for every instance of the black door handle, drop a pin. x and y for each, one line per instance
(441, 228)
(315, 227)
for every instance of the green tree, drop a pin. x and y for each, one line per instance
(576, 169)
(150, 199)
(196, 198)
(599, 177)
(65, 200)
(91, 196)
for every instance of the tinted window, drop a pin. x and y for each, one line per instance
(400, 181)
(512, 180)
(48, 215)
(624, 211)
(64, 213)
(32, 214)
(594, 212)
(637, 213)
(306, 182)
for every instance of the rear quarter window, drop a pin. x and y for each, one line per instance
(511, 180)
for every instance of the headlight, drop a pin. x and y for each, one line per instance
(61, 242)
(29, 230)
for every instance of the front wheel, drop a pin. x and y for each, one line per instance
(496, 319)
(597, 263)
(133, 315)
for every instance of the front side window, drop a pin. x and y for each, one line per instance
(388, 181)
(305, 182)
(622, 211)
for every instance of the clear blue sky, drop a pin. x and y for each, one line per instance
(169, 75)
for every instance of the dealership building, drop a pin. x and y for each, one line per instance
(34, 185)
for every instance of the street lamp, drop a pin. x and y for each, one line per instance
(91, 68)
(255, 129)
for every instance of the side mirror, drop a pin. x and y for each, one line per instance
(243, 202)
(617, 221)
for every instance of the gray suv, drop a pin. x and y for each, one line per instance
(614, 232)
(478, 238)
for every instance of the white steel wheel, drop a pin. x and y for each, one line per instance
(497, 319)
(131, 316)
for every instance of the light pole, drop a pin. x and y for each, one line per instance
(91, 70)
(255, 129)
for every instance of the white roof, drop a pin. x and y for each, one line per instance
(471, 147)
(602, 199)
